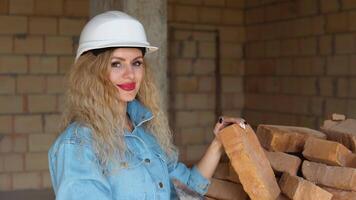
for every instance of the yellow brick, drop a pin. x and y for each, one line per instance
(230, 50)
(182, 66)
(231, 84)
(4, 8)
(204, 67)
(308, 46)
(21, 6)
(326, 85)
(232, 16)
(30, 84)
(206, 84)
(338, 65)
(199, 101)
(55, 85)
(43, 25)
(6, 124)
(330, 6)
(42, 103)
(6, 44)
(207, 50)
(344, 43)
(26, 180)
(13, 162)
(189, 49)
(11, 104)
(289, 47)
(13, 24)
(65, 62)
(46, 180)
(308, 7)
(6, 144)
(59, 45)
(78, 8)
(43, 64)
(325, 45)
(51, 123)
(210, 15)
(232, 34)
(28, 124)
(5, 181)
(40, 142)
(49, 8)
(71, 26)
(20, 144)
(36, 161)
(194, 135)
(7, 85)
(187, 119)
(28, 44)
(13, 64)
(186, 84)
(337, 22)
(195, 152)
(186, 14)
(232, 67)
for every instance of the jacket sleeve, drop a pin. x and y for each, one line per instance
(189, 176)
(76, 174)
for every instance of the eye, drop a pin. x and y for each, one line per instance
(138, 63)
(115, 64)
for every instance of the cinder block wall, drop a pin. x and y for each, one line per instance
(193, 58)
(37, 44)
(300, 61)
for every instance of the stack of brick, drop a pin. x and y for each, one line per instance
(307, 164)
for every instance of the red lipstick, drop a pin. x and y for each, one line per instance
(127, 86)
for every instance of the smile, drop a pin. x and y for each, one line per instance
(127, 86)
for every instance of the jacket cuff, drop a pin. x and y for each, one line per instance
(198, 182)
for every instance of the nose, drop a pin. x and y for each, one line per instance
(129, 72)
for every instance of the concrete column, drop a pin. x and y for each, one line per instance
(153, 15)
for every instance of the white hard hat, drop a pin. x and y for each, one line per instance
(113, 29)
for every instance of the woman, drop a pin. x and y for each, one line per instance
(115, 142)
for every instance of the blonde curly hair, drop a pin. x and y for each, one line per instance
(91, 100)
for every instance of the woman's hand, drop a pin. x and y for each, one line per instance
(226, 121)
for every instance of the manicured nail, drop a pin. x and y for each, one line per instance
(220, 120)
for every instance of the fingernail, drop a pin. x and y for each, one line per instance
(220, 120)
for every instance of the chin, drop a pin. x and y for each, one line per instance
(127, 98)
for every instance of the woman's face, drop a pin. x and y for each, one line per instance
(127, 71)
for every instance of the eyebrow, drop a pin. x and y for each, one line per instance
(123, 59)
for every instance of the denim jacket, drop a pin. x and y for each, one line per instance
(145, 173)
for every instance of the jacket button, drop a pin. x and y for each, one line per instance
(160, 184)
(147, 160)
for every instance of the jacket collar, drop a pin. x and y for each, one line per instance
(138, 112)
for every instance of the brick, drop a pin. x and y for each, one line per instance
(206, 50)
(206, 84)
(51, 123)
(194, 152)
(297, 188)
(58, 45)
(327, 86)
(13, 64)
(338, 65)
(20, 144)
(13, 25)
(231, 50)
(352, 18)
(186, 84)
(232, 67)
(327, 152)
(22, 44)
(187, 119)
(61, 103)
(28, 124)
(337, 22)
(308, 46)
(338, 117)
(186, 14)
(43, 25)
(13, 163)
(226, 190)
(178, 102)
(235, 3)
(342, 132)
(30, 84)
(204, 67)
(285, 138)
(49, 8)
(207, 118)
(78, 8)
(26, 180)
(308, 7)
(192, 136)
(344, 43)
(333, 105)
(283, 162)
(6, 124)
(189, 49)
(4, 8)
(40, 142)
(343, 87)
(182, 66)
(341, 194)
(42, 103)
(216, 3)
(71, 26)
(325, 45)
(348, 4)
(36, 161)
(232, 17)
(43, 64)
(46, 180)
(232, 34)
(5, 182)
(55, 85)
(7, 85)
(6, 144)
(6, 44)
(249, 161)
(199, 101)
(21, 6)
(210, 15)
(231, 84)
(304, 86)
(273, 48)
(330, 6)
(289, 47)
(255, 15)
(11, 104)
(331, 176)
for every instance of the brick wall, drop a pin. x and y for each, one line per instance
(193, 58)
(300, 61)
(38, 39)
